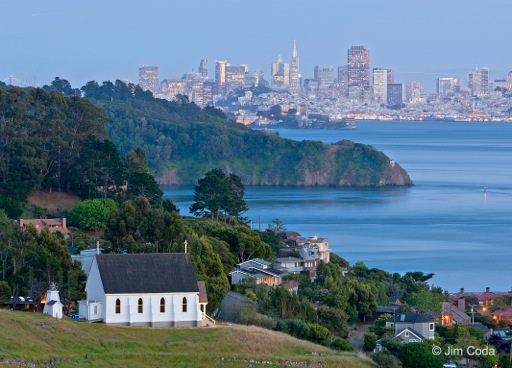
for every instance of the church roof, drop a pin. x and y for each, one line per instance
(147, 273)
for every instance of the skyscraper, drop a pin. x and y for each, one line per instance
(149, 78)
(203, 68)
(447, 86)
(358, 71)
(324, 74)
(380, 85)
(280, 74)
(294, 72)
(412, 91)
(478, 82)
(220, 75)
(394, 94)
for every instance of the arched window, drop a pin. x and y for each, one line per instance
(184, 307)
(162, 305)
(140, 305)
(118, 306)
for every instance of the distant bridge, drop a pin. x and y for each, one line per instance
(13, 81)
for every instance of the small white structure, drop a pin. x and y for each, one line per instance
(155, 290)
(53, 306)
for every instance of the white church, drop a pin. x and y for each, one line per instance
(155, 290)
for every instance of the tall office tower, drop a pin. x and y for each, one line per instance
(391, 76)
(412, 91)
(235, 77)
(149, 78)
(280, 74)
(380, 85)
(358, 71)
(203, 68)
(394, 94)
(294, 72)
(447, 86)
(324, 74)
(478, 82)
(509, 81)
(220, 75)
(343, 80)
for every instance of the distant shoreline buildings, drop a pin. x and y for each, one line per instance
(356, 92)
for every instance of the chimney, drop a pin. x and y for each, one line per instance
(462, 290)
(461, 304)
(487, 289)
(63, 221)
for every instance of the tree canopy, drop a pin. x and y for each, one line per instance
(217, 192)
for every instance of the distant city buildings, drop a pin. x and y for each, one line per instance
(149, 78)
(351, 91)
(294, 72)
(380, 85)
(280, 74)
(478, 82)
(358, 72)
(394, 94)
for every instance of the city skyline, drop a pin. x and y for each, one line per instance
(111, 40)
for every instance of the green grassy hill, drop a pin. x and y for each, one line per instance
(35, 340)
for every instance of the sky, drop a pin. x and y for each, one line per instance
(110, 39)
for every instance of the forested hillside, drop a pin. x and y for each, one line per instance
(183, 141)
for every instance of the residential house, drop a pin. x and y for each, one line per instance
(156, 290)
(258, 269)
(412, 327)
(53, 225)
(454, 313)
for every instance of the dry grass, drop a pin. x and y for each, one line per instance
(31, 339)
(55, 203)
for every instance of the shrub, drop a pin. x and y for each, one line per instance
(341, 345)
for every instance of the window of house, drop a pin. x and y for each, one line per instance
(184, 307)
(162, 305)
(140, 305)
(118, 306)
(431, 326)
(95, 309)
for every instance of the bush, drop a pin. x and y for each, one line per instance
(341, 345)
(370, 341)
(316, 333)
(294, 327)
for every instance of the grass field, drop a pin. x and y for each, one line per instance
(36, 340)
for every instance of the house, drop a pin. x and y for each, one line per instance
(412, 327)
(454, 313)
(156, 290)
(53, 225)
(53, 306)
(257, 269)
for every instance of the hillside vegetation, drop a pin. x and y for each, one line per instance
(183, 141)
(36, 340)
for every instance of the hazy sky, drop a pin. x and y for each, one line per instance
(109, 39)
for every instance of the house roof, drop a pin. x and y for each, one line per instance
(52, 302)
(147, 273)
(415, 333)
(410, 318)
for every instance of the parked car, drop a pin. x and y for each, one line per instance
(73, 315)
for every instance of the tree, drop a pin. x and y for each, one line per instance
(370, 341)
(419, 355)
(276, 226)
(217, 192)
(92, 214)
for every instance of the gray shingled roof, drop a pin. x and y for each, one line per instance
(409, 318)
(147, 273)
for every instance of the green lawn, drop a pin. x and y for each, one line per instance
(35, 340)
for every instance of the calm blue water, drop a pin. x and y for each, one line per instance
(444, 224)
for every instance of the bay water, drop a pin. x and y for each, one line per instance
(455, 221)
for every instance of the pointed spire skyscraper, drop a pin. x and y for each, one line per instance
(294, 72)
